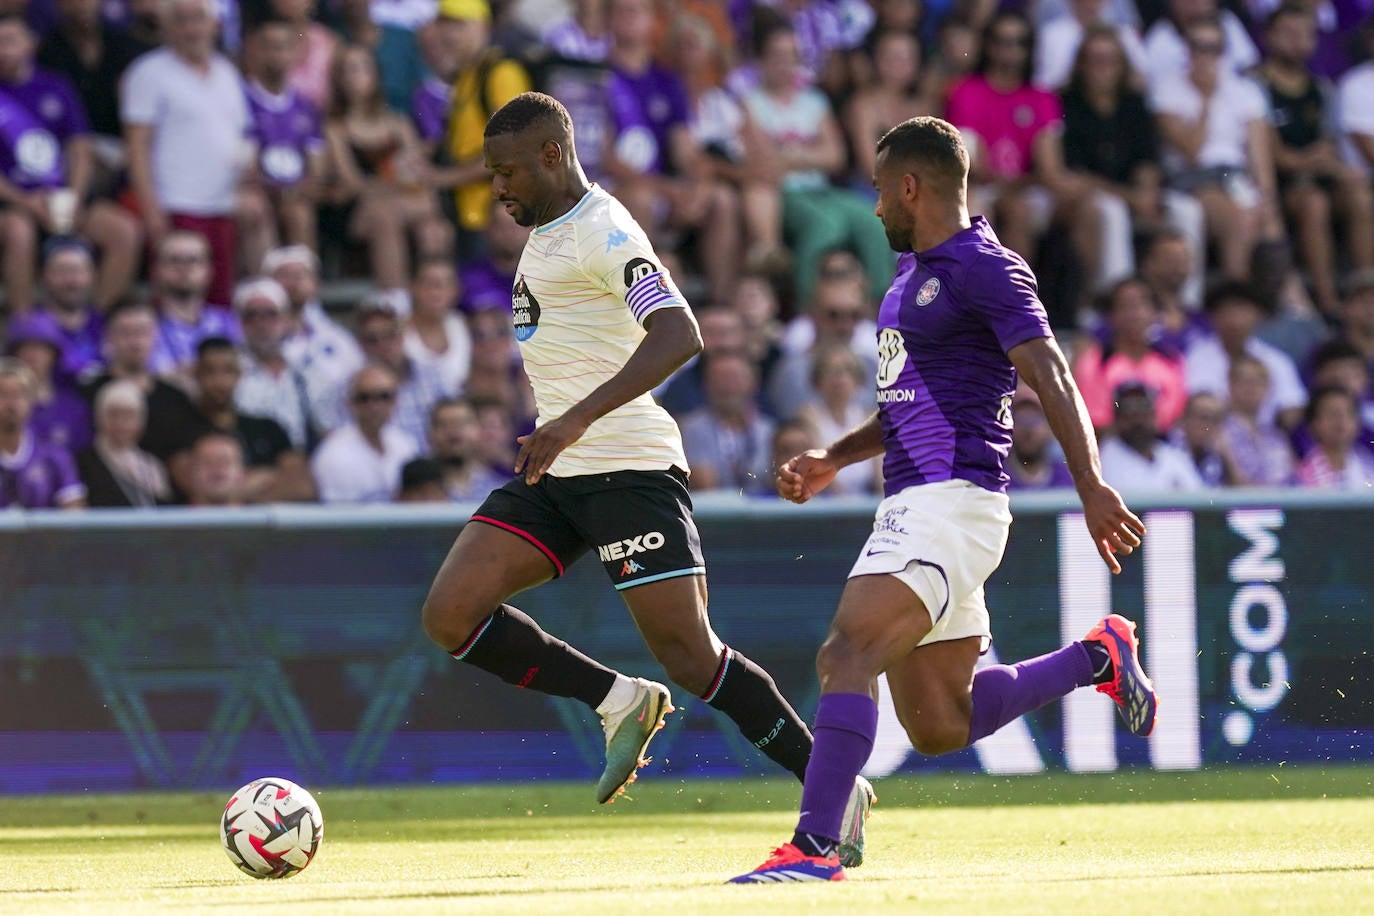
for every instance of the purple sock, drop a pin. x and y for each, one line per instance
(1003, 692)
(845, 726)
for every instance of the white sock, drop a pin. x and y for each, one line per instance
(621, 694)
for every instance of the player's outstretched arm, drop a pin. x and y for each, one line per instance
(812, 471)
(672, 338)
(1114, 528)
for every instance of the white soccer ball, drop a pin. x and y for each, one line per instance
(272, 828)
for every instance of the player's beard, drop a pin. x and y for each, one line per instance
(898, 237)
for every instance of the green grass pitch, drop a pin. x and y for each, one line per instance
(1239, 841)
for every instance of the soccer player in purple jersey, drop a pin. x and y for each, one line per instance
(959, 323)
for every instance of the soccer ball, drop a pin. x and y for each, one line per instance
(272, 828)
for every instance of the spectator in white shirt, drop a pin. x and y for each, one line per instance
(270, 385)
(1135, 459)
(1217, 147)
(1167, 49)
(436, 334)
(1355, 107)
(1235, 313)
(1057, 43)
(185, 120)
(455, 440)
(361, 461)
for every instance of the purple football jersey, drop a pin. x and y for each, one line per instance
(65, 421)
(37, 117)
(429, 109)
(644, 110)
(945, 382)
(80, 347)
(176, 341)
(38, 476)
(287, 131)
(485, 287)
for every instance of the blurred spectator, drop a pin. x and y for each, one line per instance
(1336, 461)
(1199, 435)
(756, 303)
(1129, 353)
(436, 333)
(286, 127)
(722, 331)
(1172, 269)
(1217, 146)
(185, 120)
(130, 333)
(825, 29)
(1337, 24)
(1235, 313)
(269, 385)
(839, 307)
(93, 55)
(430, 102)
(68, 287)
(60, 416)
(277, 471)
(657, 169)
(310, 49)
(316, 345)
(360, 462)
(956, 54)
(455, 444)
(422, 481)
(45, 175)
(217, 475)
(1355, 106)
(1060, 39)
(805, 146)
(1034, 462)
(1336, 364)
(1105, 168)
(483, 80)
(1008, 123)
(117, 473)
(496, 445)
(839, 379)
(1135, 459)
(1170, 52)
(580, 35)
(180, 276)
(33, 475)
(728, 442)
(719, 127)
(488, 278)
(1260, 453)
(388, 29)
(892, 96)
(892, 17)
(497, 374)
(790, 439)
(1312, 180)
(380, 332)
(1357, 314)
(379, 176)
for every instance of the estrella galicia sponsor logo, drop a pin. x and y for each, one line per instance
(640, 543)
(928, 291)
(637, 269)
(524, 309)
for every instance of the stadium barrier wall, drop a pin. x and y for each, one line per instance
(205, 648)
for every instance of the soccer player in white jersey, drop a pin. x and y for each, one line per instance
(600, 324)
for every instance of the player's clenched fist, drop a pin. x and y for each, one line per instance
(806, 475)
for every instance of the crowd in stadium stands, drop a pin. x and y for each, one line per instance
(185, 185)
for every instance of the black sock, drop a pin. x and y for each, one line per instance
(512, 646)
(1101, 659)
(744, 692)
(813, 845)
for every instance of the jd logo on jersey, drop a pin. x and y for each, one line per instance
(637, 269)
(525, 310)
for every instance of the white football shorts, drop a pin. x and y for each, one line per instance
(943, 540)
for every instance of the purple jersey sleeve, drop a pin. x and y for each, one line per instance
(73, 121)
(1002, 289)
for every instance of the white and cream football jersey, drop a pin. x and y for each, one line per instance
(584, 286)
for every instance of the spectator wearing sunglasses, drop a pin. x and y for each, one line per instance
(361, 461)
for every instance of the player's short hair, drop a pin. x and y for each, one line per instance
(212, 345)
(527, 110)
(933, 143)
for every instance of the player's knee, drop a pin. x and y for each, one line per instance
(843, 659)
(449, 623)
(932, 741)
(687, 664)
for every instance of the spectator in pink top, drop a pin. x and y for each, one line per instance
(313, 49)
(1004, 118)
(1129, 354)
(1337, 461)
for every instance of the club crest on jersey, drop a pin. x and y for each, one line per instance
(928, 291)
(524, 310)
